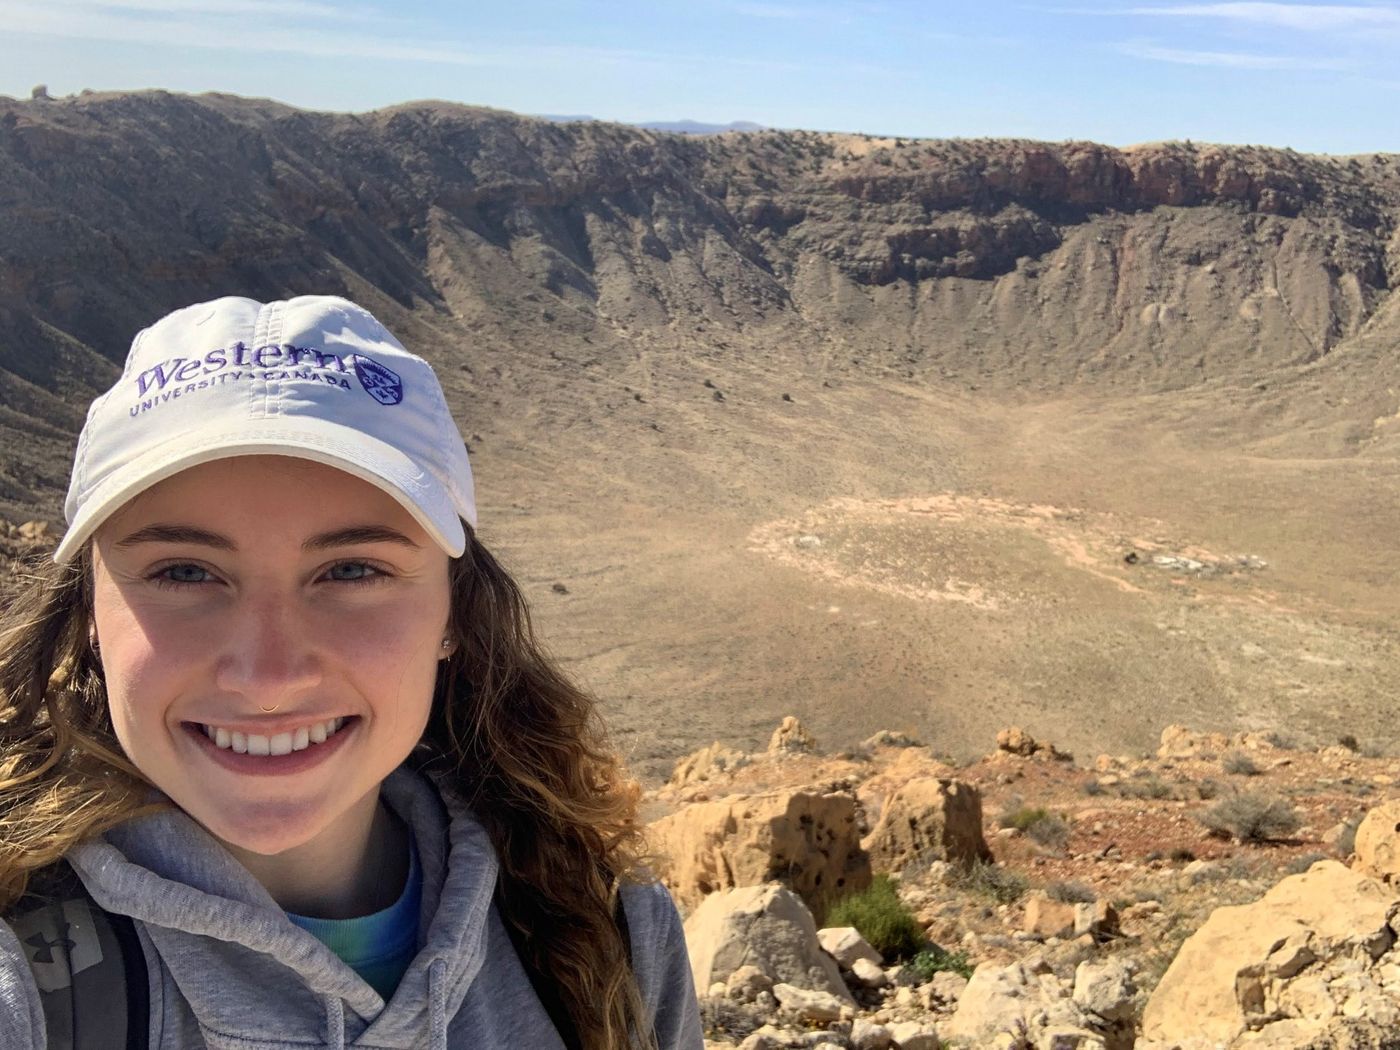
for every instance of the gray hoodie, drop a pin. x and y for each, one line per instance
(229, 971)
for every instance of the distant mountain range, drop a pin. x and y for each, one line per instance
(682, 127)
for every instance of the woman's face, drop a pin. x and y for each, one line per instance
(268, 582)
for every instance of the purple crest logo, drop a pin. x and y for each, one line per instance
(379, 383)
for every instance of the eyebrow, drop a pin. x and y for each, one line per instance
(346, 537)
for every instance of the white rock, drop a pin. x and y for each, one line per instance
(1105, 988)
(846, 945)
(1069, 1039)
(763, 926)
(869, 974)
(809, 1005)
(911, 1035)
(746, 983)
(867, 1036)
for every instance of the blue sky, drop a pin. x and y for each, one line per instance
(1318, 77)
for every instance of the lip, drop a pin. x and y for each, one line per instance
(273, 765)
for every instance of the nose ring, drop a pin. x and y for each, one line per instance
(268, 710)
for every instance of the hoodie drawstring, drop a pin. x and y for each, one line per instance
(335, 1022)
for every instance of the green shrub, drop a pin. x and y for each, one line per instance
(1250, 817)
(935, 959)
(881, 918)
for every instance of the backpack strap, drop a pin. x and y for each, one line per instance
(88, 964)
(545, 989)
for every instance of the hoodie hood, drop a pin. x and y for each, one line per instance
(251, 977)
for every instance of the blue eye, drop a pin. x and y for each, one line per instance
(352, 572)
(183, 574)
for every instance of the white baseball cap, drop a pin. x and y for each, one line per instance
(315, 377)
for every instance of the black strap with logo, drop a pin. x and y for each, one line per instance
(88, 964)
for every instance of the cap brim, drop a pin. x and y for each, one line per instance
(318, 440)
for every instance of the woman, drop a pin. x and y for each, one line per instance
(276, 703)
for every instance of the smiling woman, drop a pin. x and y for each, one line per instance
(276, 706)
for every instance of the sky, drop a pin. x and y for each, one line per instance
(1316, 77)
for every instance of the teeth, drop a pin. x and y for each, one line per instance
(281, 744)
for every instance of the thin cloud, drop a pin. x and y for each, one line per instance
(1308, 17)
(1227, 59)
(266, 35)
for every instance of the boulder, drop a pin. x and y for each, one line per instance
(911, 1035)
(1281, 959)
(846, 945)
(1049, 918)
(745, 984)
(1105, 989)
(869, 974)
(810, 1005)
(929, 818)
(706, 764)
(1023, 997)
(1016, 741)
(1377, 845)
(868, 1036)
(791, 737)
(765, 927)
(1180, 742)
(808, 841)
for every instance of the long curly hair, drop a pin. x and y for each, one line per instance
(520, 743)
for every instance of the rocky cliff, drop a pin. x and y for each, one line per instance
(1000, 263)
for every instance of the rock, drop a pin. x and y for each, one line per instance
(869, 974)
(945, 988)
(1097, 919)
(929, 818)
(1229, 976)
(766, 1038)
(1105, 989)
(810, 1005)
(1199, 871)
(846, 945)
(1063, 1038)
(706, 764)
(890, 738)
(807, 840)
(1377, 845)
(1048, 918)
(1016, 741)
(1180, 742)
(867, 1036)
(1340, 838)
(790, 737)
(1025, 995)
(746, 983)
(911, 1035)
(765, 927)
(33, 531)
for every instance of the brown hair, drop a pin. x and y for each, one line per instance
(508, 732)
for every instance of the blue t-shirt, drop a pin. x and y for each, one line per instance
(378, 947)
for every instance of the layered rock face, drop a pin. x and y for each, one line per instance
(496, 239)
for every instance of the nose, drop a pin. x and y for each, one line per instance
(269, 655)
